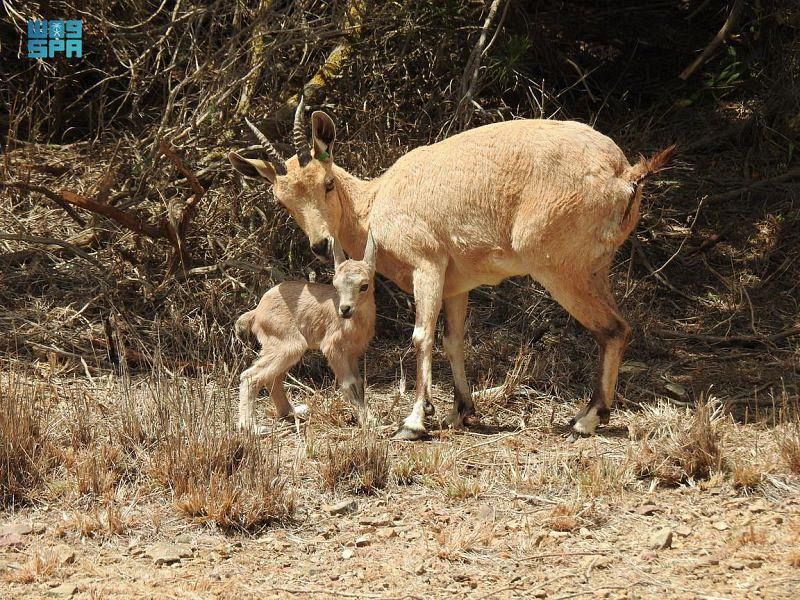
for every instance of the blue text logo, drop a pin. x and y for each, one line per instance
(47, 39)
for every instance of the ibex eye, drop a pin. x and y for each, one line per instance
(364, 287)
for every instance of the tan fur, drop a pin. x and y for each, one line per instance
(296, 316)
(550, 199)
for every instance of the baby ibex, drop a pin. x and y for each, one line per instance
(296, 316)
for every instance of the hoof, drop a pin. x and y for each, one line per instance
(429, 409)
(586, 421)
(259, 430)
(409, 435)
(301, 411)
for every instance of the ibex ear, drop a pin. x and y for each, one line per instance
(323, 134)
(370, 251)
(338, 254)
(252, 167)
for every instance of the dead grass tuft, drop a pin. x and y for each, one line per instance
(459, 487)
(564, 517)
(360, 464)
(789, 445)
(749, 537)
(26, 453)
(418, 462)
(677, 446)
(459, 541)
(745, 476)
(42, 564)
(794, 559)
(224, 478)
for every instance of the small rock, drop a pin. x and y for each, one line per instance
(167, 554)
(707, 561)
(721, 526)
(661, 539)
(383, 521)
(758, 506)
(735, 565)
(185, 538)
(18, 528)
(342, 508)
(559, 534)
(538, 594)
(683, 530)
(754, 564)
(65, 589)
(647, 509)
(10, 540)
(648, 556)
(333, 576)
(65, 554)
(420, 570)
(362, 541)
(347, 553)
(387, 533)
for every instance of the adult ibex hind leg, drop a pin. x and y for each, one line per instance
(589, 300)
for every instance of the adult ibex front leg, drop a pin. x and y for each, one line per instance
(428, 281)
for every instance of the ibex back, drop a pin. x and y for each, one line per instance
(551, 199)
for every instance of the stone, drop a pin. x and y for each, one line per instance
(65, 589)
(363, 541)
(420, 570)
(17, 528)
(661, 539)
(185, 538)
(347, 553)
(383, 521)
(167, 554)
(647, 509)
(683, 530)
(538, 594)
(648, 556)
(758, 506)
(10, 540)
(342, 508)
(706, 561)
(721, 526)
(735, 565)
(755, 564)
(387, 533)
(65, 554)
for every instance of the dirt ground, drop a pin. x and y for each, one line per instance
(515, 510)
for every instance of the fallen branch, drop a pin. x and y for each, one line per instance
(731, 340)
(733, 194)
(715, 43)
(58, 199)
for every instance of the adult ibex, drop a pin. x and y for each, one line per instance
(550, 199)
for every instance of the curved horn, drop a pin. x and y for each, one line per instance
(299, 137)
(270, 153)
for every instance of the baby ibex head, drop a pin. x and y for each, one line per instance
(353, 279)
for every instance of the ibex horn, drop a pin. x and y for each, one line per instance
(270, 154)
(299, 137)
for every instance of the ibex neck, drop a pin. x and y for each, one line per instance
(356, 197)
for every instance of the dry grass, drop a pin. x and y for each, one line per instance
(745, 476)
(230, 479)
(41, 565)
(360, 464)
(789, 445)
(26, 453)
(678, 445)
(416, 462)
(459, 542)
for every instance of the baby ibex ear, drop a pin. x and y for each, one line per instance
(370, 251)
(338, 254)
